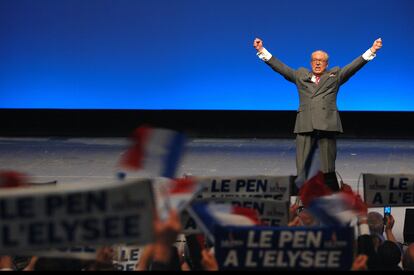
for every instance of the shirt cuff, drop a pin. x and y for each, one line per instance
(369, 55)
(264, 55)
(364, 229)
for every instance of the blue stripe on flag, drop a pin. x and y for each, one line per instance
(175, 149)
(325, 210)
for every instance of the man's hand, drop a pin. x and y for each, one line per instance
(208, 261)
(166, 233)
(105, 254)
(377, 45)
(360, 263)
(258, 44)
(389, 222)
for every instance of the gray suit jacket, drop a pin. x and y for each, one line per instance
(318, 109)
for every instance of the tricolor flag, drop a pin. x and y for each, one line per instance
(12, 179)
(339, 208)
(156, 151)
(210, 215)
(311, 181)
(314, 188)
(174, 194)
(182, 191)
(332, 210)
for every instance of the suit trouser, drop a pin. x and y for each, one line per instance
(327, 149)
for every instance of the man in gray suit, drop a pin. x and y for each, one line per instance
(317, 115)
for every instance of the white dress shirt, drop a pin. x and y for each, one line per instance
(265, 56)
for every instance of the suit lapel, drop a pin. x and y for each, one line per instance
(307, 78)
(322, 81)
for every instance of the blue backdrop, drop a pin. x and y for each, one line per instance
(197, 54)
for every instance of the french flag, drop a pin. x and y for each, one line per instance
(154, 150)
(210, 215)
(182, 191)
(311, 181)
(332, 210)
(12, 179)
(337, 209)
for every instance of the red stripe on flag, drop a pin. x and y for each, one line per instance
(11, 179)
(182, 185)
(248, 213)
(355, 201)
(134, 156)
(314, 188)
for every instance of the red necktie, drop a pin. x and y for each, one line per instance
(317, 80)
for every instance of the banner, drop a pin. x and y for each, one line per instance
(45, 217)
(392, 189)
(296, 248)
(189, 225)
(81, 252)
(270, 213)
(264, 187)
(126, 257)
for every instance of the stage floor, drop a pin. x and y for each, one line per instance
(86, 160)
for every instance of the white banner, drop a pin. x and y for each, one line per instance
(45, 217)
(264, 187)
(126, 257)
(388, 189)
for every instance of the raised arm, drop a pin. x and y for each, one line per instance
(277, 65)
(349, 70)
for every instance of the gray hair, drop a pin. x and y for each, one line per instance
(376, 223)
(320, 51)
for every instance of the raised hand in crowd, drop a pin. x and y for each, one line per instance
(6, 263)
(295, 222)
(389, 224)
(360, 263)
(105, 254)
(145, 259)
(208, 261)
(31, 265)
(294, 219)
(299, 216)
(293, 211)
(103, 261)
(165, 255)
(166, 234)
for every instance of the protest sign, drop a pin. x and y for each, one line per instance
(189, 224)
(37, 218)
(264, 187)
(296, 248)
(126, 257)
(388, 189)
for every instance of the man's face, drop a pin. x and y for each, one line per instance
(319, 63)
